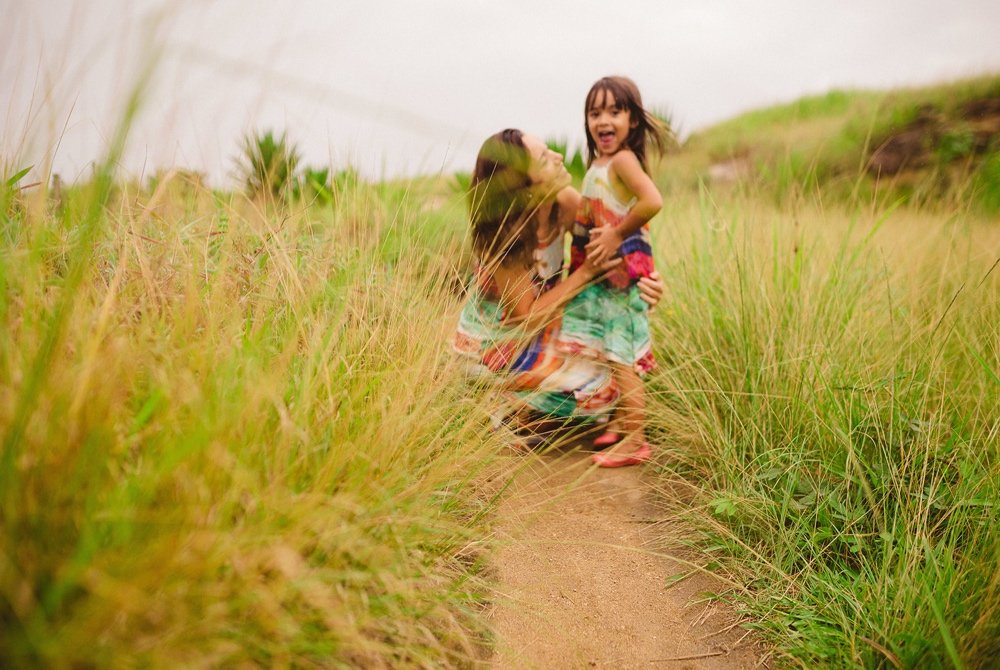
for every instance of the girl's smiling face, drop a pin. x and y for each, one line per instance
(608, 123)
(547, 167)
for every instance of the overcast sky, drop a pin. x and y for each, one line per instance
(396, 87)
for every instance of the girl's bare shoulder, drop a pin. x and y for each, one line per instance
(624, 160)
(510, 274)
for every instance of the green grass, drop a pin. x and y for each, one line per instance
(830, 393)
(821, 146)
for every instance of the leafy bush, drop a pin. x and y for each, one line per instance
(268, 165)
(986, 182)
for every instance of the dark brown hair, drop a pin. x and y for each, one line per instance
(501, 201)
(648, 128)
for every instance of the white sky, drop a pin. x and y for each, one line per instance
(404, 87)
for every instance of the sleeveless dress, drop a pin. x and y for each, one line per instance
(609, 319)
(528, 368)
(602, 207)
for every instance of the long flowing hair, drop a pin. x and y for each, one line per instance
(648, 129)
(502, 201)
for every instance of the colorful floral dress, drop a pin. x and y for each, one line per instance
(602, 207)
(609, 320)
(529, 368)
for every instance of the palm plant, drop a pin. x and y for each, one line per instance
(574, 163)
(269, 164)
(671, 129)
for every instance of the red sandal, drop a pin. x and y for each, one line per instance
(607, 438)
(640, 455)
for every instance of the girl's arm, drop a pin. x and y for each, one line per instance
(534, 312)
(604, 241)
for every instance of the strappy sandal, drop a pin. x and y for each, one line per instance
(640, 455)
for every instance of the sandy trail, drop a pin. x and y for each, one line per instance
(580, 586)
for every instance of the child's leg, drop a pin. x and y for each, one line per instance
(631, 412)
(635, 335)
(627, 344)
(612, 430)
(633, 448)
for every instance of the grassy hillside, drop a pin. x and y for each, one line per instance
(828, 402)
(933, 147)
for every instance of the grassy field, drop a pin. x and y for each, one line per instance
(233, 432)
(832, 395)
(830, 402)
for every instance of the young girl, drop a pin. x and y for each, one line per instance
(619, 198)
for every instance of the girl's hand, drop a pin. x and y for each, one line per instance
(604, 243)
(651, 288)
(594, 269)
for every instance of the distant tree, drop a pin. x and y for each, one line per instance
(268, 164)
(463, 182)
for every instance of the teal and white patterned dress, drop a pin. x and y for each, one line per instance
(609, 320)
(531, 369)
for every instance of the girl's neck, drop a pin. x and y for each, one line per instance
(544, 224)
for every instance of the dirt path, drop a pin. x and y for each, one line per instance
(580, 587)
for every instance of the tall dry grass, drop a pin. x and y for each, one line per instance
(232, 432)
(830, 401)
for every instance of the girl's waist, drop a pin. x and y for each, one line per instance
(581, 236)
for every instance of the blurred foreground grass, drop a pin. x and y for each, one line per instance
(246, 442)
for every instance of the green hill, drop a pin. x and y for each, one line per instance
(930, 146)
